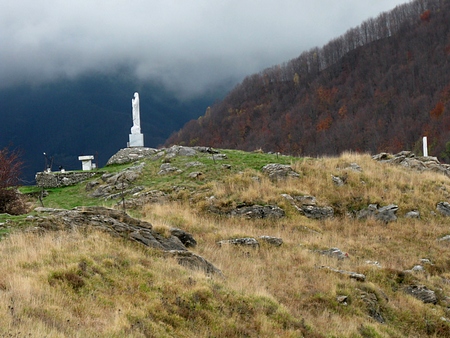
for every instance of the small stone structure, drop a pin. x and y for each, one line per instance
(86, 162)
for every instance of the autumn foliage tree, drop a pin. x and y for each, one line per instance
(438, 110)
(10, 168)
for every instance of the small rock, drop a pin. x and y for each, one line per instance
(337, 180)
(166, 168)
(445, 238)
(277, 171)
(443, 208)
(272, 240)
(219, 157)
(355, 167)
(425, 261)
(258, 211)
(374, 263)
(306, 200)
(247, 241)
(418, 268)
(317, 212)
(413, 214)
(385, 214)
(422, 293)
(358, 276)
(194, 261)
(334, 252)
(186, 238)
(342, 299)
(194, 164)
(195, 174)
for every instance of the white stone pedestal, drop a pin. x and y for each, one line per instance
(136, 140)
(86, 162)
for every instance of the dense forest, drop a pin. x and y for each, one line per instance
(379, 87)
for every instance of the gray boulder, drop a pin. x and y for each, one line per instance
(259, 211)
(246, 241)
(277, 171)
(166, 168)
(307, 206)
(422, 293)
(194, 262)
(180, 151)
(413, 214)
(446, 238)
(275, 241)
(315, 212)
(385, 214)
(186, 238)
(334, 252)
(443, 208)
(338, 180)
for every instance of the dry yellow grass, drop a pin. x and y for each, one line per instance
(268, 292)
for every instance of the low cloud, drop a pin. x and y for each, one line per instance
(188, 46)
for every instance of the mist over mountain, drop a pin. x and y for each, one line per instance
(89, 115)
(379, 87)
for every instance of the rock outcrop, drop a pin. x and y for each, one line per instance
(259, 211)
(307, 206)
(110, 186)
(129, 155)
(408, 159)
(186, 238)
(422, 293)
(277, 171)
(334, 252)
(252, 242)
(120, 224)
(354, 275)
(246, 241)
(385, 214)
(443, 208)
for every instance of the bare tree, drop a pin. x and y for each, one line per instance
(10, 168)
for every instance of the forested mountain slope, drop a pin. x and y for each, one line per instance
(379, 87)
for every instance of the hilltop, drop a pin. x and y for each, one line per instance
(88, 115)
(379, 87)
(348, 246)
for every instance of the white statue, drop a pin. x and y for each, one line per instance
(136, 129)
(136, 137)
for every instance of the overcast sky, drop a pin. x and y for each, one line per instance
(189, 46)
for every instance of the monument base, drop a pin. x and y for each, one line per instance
(136, 140)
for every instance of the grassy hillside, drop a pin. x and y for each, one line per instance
(88, 284)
